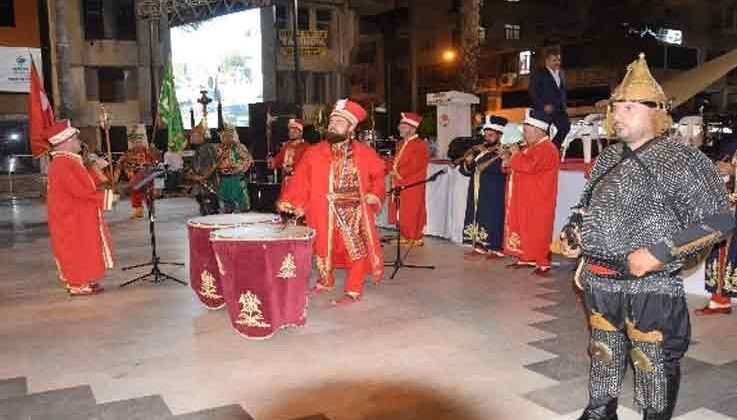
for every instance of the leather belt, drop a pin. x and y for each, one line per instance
(336, 196)
(607, 268)
(601, 270)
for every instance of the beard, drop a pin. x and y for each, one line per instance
(335, 138)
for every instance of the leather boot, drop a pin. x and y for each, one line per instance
(674, 382)
(605, 410)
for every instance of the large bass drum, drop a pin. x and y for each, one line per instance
(203, 273)
(265, 272)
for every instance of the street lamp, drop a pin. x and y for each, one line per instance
(449, 55)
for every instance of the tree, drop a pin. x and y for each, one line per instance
(470, 44)
(239, 65)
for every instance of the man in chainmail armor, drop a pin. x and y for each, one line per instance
(203, 171)
(651, 204)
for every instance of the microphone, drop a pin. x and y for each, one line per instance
(435, 176)
(396, 190)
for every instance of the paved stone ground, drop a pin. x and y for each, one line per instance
(469, 340)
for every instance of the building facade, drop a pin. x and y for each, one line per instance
(21, 27)
(675, 35)
(327, 35)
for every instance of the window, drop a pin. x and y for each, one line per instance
(111, 84)
(113, 19)
(93, 20)
(319, 88)
(682, 58)
(125, 20)
(303, 19)
(510, 63)
(282, 18)
(511, 31)
(323, 21)
(7, 13)
(324, 18)
(525, 60)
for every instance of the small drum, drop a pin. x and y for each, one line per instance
(265, 272)
(203, 272)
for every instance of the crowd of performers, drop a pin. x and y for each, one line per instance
(650, 206)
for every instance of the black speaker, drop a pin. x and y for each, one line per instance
(118, 139)
(263, 196)
(281, 112)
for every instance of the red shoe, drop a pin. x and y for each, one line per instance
(713, 311)
(346, 300)
(541, 271)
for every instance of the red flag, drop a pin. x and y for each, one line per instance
(40, 114)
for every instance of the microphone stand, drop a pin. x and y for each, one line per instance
(157, 275)
(395, 192)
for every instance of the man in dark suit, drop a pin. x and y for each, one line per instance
(548, 93)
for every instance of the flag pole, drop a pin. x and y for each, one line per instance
(104, 124)
(34, 69)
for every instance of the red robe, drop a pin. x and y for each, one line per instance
(531, 196)
(79, 236)
(288, 158)
(308, 192)
(411, 161)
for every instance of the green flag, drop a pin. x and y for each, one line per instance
(169, 112)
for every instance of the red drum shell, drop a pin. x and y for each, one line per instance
(265, 277)
(204, 277)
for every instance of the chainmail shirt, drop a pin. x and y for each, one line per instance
(647, 203)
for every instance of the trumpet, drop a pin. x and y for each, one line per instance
(473, 151)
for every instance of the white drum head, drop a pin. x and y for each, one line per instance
(215, 221)
(260, 233)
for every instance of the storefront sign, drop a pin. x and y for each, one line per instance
(309, 42)
(15, 68)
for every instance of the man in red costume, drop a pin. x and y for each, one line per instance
(79, 236)
(531, 211)
(339, 188)
(133, 164)
(410, 166)
(291, 153)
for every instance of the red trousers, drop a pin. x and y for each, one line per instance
(137, 197)
(357, 270)
(412, 213)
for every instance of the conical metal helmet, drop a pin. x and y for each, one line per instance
(639, 85)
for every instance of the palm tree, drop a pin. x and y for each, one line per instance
(470, 44)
